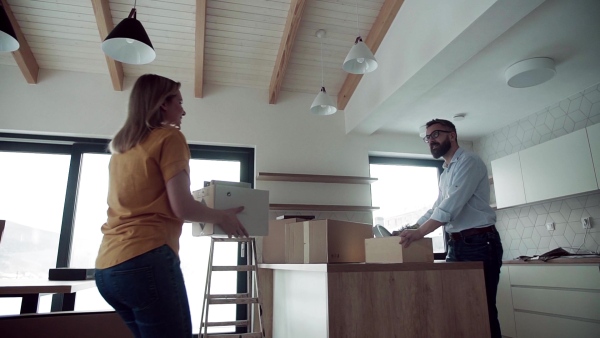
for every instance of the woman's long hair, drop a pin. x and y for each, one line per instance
(144, 113)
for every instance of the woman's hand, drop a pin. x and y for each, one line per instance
(231, 225)
(184, 206)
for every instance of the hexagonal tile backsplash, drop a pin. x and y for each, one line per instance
(522, 229)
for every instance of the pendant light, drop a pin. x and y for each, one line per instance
(360, 59)
(323, 104)
(8, 38)
(128, 42)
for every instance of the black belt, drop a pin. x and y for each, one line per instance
(470, 232)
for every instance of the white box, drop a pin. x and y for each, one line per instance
(254, 217)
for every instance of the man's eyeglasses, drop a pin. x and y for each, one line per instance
(435, 134)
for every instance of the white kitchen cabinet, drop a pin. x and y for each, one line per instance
(553, 300)
(508, 181)
(504, 304)
(533, 325)
(594, 138)
(559, 167)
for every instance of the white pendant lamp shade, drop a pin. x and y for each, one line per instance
(323, 104)
(422, 131)
(129, 43)
(8, 38)
(530, 72)
(360, 60)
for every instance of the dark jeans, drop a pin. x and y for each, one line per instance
(487, 248)
(148, 292)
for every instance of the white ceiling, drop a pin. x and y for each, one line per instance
(566, 31)
(241, 44)
(439, 57)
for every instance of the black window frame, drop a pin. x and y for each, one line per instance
(415, 162)
(77, 146)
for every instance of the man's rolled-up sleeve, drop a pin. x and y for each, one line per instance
(429, 212)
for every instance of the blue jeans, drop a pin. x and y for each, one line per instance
(148, 292)
(487, 248)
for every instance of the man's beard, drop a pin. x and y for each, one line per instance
(441, 150)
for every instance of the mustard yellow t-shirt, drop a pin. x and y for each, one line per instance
(140, 218)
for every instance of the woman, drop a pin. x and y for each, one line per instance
(137, 269)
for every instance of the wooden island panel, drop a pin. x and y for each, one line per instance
(377, 300)
(408, 304)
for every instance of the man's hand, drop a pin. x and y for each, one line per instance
(409, 236)
(398, 232)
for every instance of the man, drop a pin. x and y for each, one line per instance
(463, 209)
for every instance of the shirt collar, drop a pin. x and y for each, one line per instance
(455, 157)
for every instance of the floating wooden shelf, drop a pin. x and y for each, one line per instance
(315, 178)
(320, 207)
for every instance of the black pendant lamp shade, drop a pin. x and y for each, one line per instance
(129, 43)
(8, 38)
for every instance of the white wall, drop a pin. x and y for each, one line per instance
(286, 136)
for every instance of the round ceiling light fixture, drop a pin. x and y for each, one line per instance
(530, 72)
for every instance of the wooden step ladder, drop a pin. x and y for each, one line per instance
(250, 299)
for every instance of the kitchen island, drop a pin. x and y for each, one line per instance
(374, 300)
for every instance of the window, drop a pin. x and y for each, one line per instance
(404, 191)
(82, 173)
(90, 213)
(31, 202)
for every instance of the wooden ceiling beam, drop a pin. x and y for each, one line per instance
(285, 48)
(105, 26)
(200, 40)
(380, 27)
(23, 56)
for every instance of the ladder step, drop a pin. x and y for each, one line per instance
(233, 301)
(230, 323)
(233, 239)
(230, 335)
(236, 298)
(231, 295)
(234, 268)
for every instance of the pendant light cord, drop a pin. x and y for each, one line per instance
(357, 29)
(322, 81)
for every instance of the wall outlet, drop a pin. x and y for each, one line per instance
(550, 226)
(586, 222)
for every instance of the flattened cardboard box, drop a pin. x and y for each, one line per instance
(388, 250)
(326, 241)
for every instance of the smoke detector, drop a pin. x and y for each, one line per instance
(459, 117)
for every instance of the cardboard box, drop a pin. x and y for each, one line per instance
(255, 217)
(274, 245)
(326, 241)
(388, 250)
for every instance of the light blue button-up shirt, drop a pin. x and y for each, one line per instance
(464, 197)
